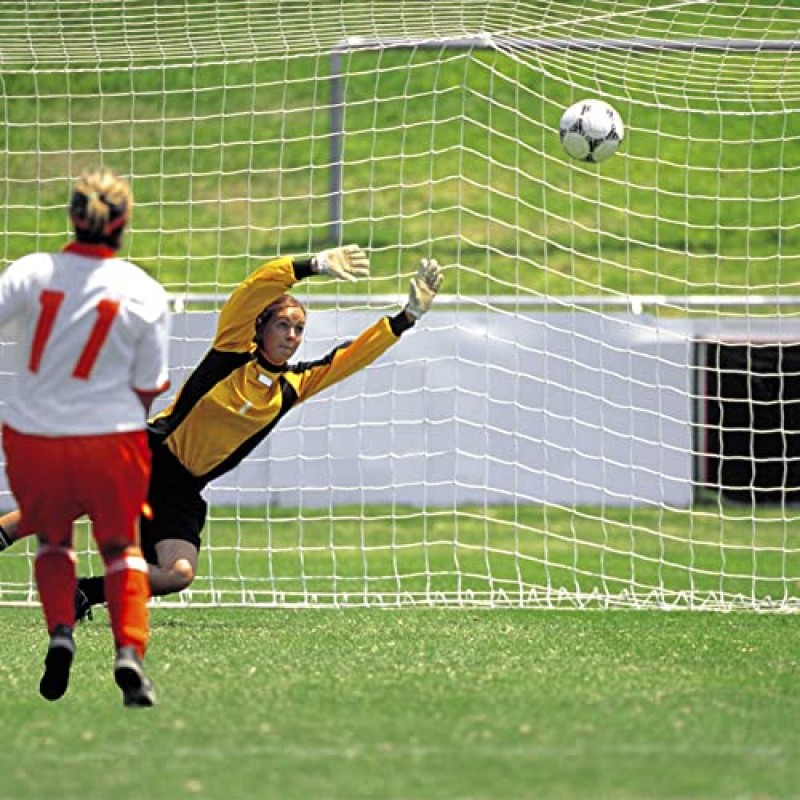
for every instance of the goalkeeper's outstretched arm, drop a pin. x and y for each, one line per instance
(312, 377)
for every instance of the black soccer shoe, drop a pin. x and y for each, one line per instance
(57, 663)
(137, 689)
(5, 539)
(83, 608)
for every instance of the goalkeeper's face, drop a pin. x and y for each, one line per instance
(283, 334)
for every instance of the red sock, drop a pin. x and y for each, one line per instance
(127, 591)
(54, 568)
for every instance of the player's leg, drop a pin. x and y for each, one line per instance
(170, 540)
(54, 569)
(176, 567)
(10, 533)
(127, 591)
(173, 571)
(113, 498)
(39, 472)
(171, 536)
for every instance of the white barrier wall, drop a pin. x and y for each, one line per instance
(491, 407)
(476, 408)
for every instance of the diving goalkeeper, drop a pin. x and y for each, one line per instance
(235, 397)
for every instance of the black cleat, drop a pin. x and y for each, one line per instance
(5, 539)
(137, 689)
(83, 608)
(57, 663)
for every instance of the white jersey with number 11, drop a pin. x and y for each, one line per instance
(94, 331)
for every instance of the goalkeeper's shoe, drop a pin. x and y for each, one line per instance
(83, 608)
(5, 539)
(57, 663)
(137, 689)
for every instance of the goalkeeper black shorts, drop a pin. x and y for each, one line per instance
(179, 510)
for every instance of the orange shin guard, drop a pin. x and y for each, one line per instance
(127, 591)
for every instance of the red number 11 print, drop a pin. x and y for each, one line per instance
(50, 302)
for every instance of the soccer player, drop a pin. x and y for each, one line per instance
(236, 396)
(94, 331)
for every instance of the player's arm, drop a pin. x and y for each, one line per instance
(147, 398)
(15, 287)
(270, 281)
(151, 364)
(375, 340)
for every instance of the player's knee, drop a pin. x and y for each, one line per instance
(182, 574)
(114, 550)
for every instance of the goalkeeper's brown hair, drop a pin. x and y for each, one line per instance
(100, 206)
(282, 302)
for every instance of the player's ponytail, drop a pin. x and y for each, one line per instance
(100, 206)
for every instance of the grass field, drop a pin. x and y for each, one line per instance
(317, 705)
(454, 152)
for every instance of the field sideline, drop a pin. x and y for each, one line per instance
(413, 704)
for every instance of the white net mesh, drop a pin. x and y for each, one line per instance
(601, 410)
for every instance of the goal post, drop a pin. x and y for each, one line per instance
(599, 411)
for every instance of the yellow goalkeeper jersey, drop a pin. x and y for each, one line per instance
(234, 398)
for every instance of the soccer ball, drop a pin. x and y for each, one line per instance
(591, 130)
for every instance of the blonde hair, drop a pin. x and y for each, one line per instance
(100, 204)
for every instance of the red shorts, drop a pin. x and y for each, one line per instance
(55, 480)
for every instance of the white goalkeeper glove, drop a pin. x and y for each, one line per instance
(424, 286)
(348, 263)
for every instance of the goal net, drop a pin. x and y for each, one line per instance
(603, 409)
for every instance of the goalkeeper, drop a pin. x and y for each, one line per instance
(236, 396)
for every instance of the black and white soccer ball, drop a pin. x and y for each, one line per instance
(591, 130)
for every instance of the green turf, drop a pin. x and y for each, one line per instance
(427, 704)
(413, 704)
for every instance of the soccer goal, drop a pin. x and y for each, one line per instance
(603, 410)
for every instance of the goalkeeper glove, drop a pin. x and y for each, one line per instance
(423, 288)
(348, 263)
